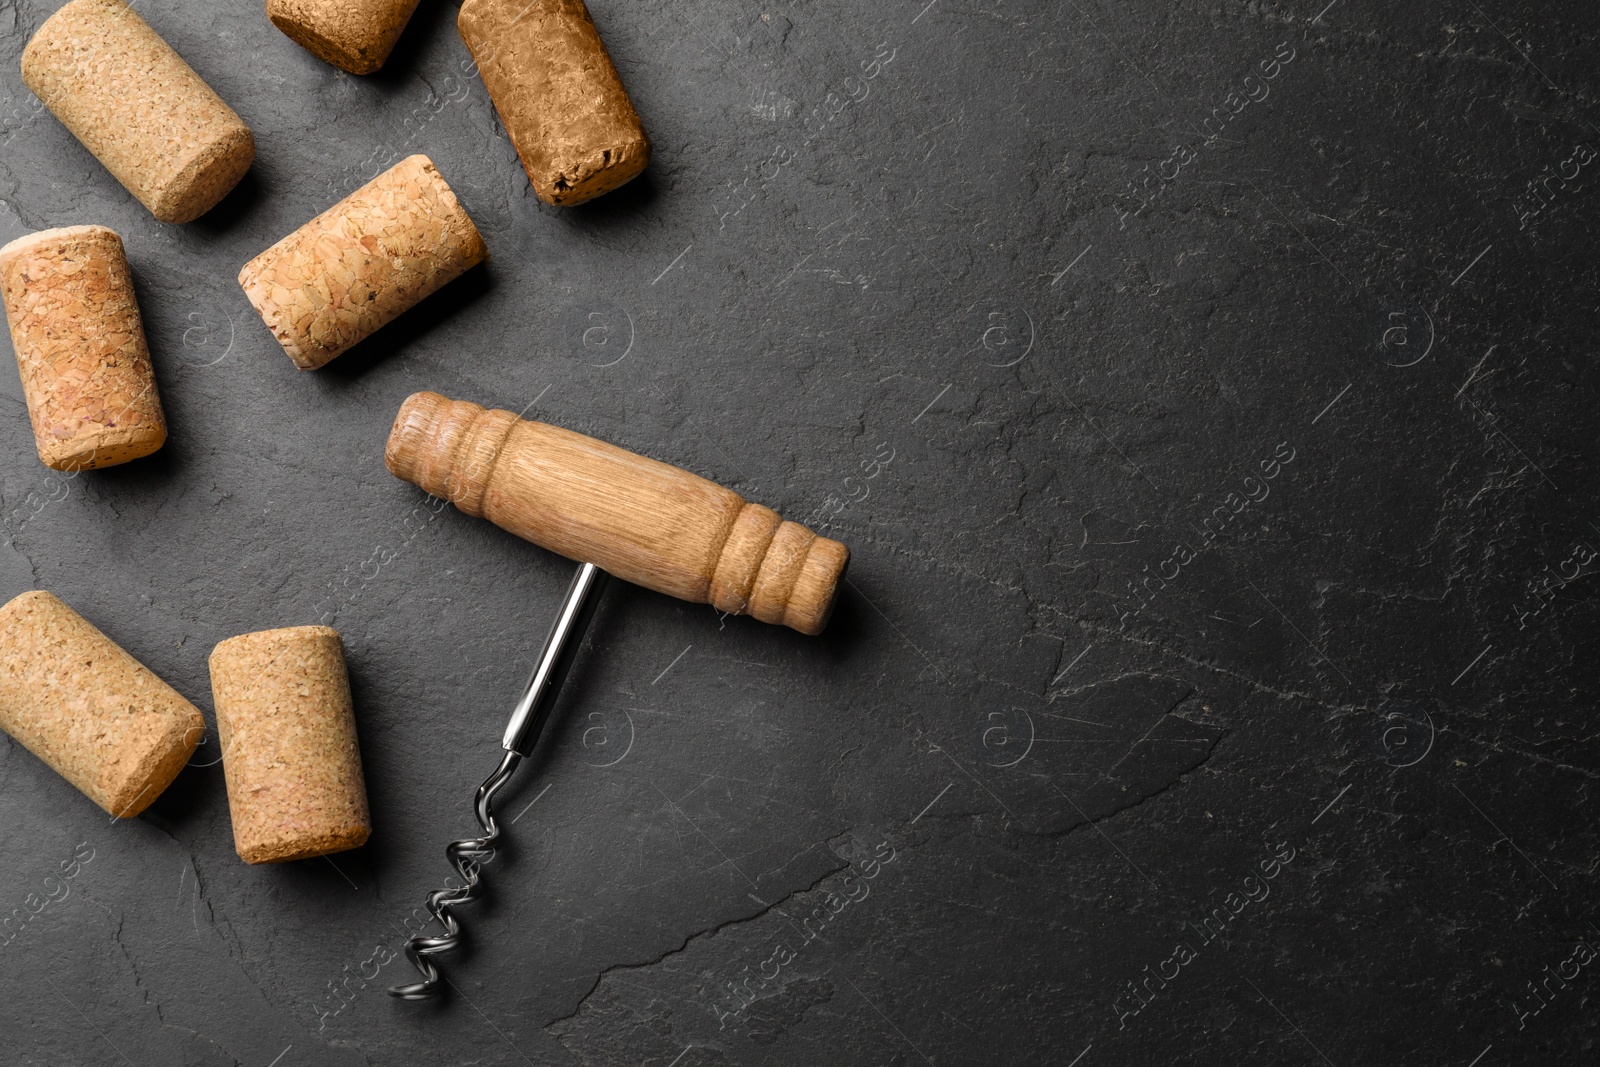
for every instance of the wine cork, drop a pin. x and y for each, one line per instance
(353, 35)
(138, 107)
(558, 95)
(80, 347)
(289, 752)
(95, 714)
(360, 264)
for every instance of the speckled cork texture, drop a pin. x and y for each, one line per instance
(353, 35)
(289, 749)
(558, 95)
(92, 712)
(143, 112)
(360, 264)
(80, 345)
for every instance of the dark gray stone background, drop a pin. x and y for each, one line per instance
(1010, 296)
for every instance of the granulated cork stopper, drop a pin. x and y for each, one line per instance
(289, 752)
(142, 111)
(92, 712)
(360, 264)
(558, 95)
(353, 35)
(80, 347)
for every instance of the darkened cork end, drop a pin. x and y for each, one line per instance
(468, 241)
(60, 235)
(299, 847)
(36, 56)
(104, 448)
(165, 756)
(599, 172)
(364, 58)
(207, 177)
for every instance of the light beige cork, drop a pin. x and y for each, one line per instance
(360, 264)
(289, 750)
(353, 35)
(80, 347)
(138, 107)
(558, 95)
(95, 714)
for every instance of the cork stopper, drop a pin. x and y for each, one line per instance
(289, 751)
(639, 519)
(359, 265)
(95, 714)
(133, 102)
(558, 95)
(353, 35)
(80, 345)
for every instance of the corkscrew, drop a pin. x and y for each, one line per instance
(642, 521)
(528, 719)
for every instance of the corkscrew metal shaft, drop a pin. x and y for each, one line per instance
(528, 719)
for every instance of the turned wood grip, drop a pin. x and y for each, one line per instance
(641, 520)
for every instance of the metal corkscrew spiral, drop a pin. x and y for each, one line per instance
(469, 855)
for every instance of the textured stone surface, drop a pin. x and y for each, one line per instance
(1013, 298)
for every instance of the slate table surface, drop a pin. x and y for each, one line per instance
(1205, 389)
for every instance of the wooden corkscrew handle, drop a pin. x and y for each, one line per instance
(641, 520)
